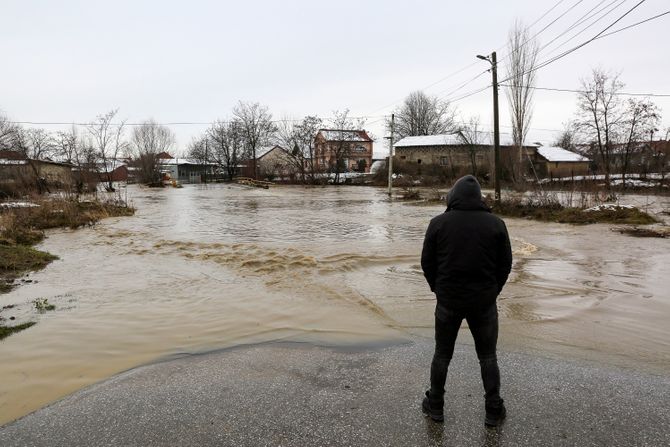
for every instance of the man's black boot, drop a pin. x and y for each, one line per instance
(433, 407)
(495, 415)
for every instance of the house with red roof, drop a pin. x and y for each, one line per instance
(350, 150)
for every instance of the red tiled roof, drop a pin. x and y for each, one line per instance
(344, 135)
(12, 155)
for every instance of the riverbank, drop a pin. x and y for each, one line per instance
(299, 394)
(587, 208)
(23, 225)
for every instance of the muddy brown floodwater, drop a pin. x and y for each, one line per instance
(208, 267)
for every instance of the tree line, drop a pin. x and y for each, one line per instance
(93, 149)
(228, 143)
(611, 127)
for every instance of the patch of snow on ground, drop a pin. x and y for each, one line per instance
(609, 207)
(18, 205)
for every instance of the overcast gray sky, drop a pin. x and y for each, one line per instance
(191, 61)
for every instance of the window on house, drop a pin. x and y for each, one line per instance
(418, 161)
(402, 157)
(444, 161)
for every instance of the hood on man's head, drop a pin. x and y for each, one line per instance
(466, 194)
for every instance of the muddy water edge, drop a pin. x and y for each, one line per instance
(207, 267)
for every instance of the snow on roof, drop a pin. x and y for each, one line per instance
(344, 135)
(6, 161)
(556, 154)
(110, 166)
(18, 205)
(263, 151)
(453, 139)
(182, 161)
(447, 139)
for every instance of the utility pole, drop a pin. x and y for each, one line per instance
(496, 126)
(206, 158)
(390, 163)
(496, 129)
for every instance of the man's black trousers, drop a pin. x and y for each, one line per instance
(483, 325)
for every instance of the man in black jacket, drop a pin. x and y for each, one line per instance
(466, 260)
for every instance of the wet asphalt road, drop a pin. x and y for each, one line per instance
(302, 395)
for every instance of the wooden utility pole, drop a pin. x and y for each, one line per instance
(390, 163)
(496, 130)
(206, 159)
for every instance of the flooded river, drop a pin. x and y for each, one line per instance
(208, 267)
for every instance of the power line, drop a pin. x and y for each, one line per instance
(573, 49)
(465, 83)
(584, 19)
(467, 95)
(656, 95)
(534, 36)
(178, 123)
(459, 87)
(452, 74)
(551, 23)
(579, 21)
(634, 24)
(565, 53)
(545, 14)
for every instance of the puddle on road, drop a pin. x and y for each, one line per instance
(203, 268)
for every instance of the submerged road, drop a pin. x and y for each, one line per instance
(303, 395)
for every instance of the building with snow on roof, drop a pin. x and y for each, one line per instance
(18, 172)
(559, 162)
(460, 155)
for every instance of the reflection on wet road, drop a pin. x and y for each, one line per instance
(207, 267)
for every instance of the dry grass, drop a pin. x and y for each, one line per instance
(64, 213)
(15, 260)
(6, 331)
(20, 228)
(661, 232)
(550, 210)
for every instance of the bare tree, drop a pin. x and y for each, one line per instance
(600, 114)
(641, 116)
(421, 114)
(298, 141)
(472, 137)
(521, 75)
(66, 145)
(341, 143)
(147, 141)
(256, 127)
(34, 144)
(199, 150)
(107, 140)
(567, 139)
(227, 145)
(8, 133)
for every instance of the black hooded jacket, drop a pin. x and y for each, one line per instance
(466, 255)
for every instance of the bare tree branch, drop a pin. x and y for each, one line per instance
(421, 114)
(148, 140)
(256, 126)
(522, 59)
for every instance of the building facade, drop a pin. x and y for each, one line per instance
(558, 162)
(343, 150)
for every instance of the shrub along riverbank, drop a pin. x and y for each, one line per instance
(554, 212)
(22, 225)
(547, 207)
